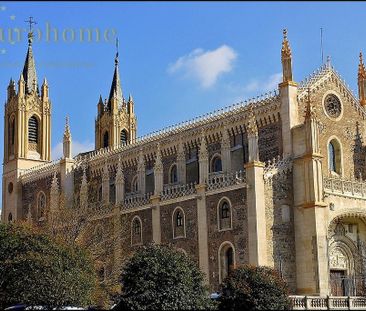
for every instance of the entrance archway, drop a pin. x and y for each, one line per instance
(347, 256)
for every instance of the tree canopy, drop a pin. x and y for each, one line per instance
(254, 288)
(36, 269)
(161, 278)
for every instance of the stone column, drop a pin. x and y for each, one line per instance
(54, 198)
(84, 191)
(141, 173)
(202, 210)
(158, 173)
(117, 246)
(310, 214)
(105, 184)
(203, 161)
(155, 214)
(257, 240)
(225, 151)
(120, 184)
(202, 231)
(67, 181)
(181, 164)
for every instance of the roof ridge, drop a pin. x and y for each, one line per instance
(187, 124)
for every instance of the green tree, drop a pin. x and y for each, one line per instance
(254, 288)
(38, 270)
(161, 278)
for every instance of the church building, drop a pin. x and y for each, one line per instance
(278, 180)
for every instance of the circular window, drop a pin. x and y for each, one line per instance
(332, 106)
(10, 187)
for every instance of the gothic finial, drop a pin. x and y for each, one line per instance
(310, 109)
(361, 81)
(284, 34)
(252, 128)
(328, 61)
(67, 132)
(361, 67)
(116, 58)
(286, 58)
(286, 50)
(31, 22)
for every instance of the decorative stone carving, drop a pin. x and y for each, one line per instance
(338, 260)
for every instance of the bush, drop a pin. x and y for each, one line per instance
(37, 270)
(254, 288)
(160, 278)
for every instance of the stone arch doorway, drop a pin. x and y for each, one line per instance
(226, 260)
(347, 256)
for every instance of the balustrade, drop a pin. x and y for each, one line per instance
(350, 188)
(221, 180)
(328, 303)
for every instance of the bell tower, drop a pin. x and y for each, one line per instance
(116, 122)
(27, 131)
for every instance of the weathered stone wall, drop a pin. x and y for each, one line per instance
(280, 226)
(270, 141)
(126, 222)
(238, 235)
(190, 243)
(30, 193)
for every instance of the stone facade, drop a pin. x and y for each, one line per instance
(276, 181)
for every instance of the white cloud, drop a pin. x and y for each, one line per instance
(205, 66)
(77, 147)
(266, 85)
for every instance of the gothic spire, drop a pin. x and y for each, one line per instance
(67, 140)
(362, 81)
(116, 90)
(29, 69)
(286, 58)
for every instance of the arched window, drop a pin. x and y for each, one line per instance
(112, 193)
(10, 217)
(216, 165)
(173, 176)
(226, 260)
(134, 185)
(105, 139)
(11, 136)
(41, 206)
(100, 194)
(124, 138)
(136, 231)
(224, 215)
(334, 157)
(178, 221)
(33, 130)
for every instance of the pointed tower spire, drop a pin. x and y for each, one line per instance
(286, 58)
(116, 90)
(67, 140)
(29, 69)
(362, 81)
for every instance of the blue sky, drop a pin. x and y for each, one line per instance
(178, 60)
